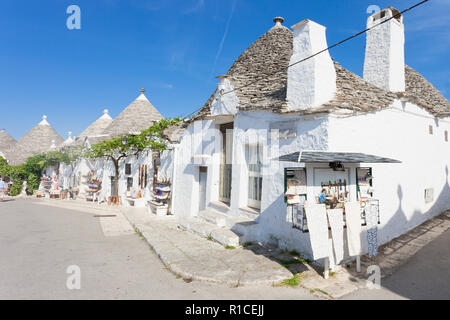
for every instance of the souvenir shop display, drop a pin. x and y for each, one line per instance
(46, 185)
(295, 195)
(364, 186)
(326, 221)
(159, 204)
(161, 194)
(336, 193)
(93, 186)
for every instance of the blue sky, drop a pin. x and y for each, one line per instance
(173, 48)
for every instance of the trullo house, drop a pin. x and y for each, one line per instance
(135, 173)
(42, 138)
(6, 143)
(272, 138)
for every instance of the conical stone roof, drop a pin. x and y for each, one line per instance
(96, 129)
(6, 141)
(139, 115)
(42, 138)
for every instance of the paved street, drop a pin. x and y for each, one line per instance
(38, 243)
(425, 276)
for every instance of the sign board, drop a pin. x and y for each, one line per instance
(286, 129)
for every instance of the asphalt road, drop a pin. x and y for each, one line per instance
(38, 243)
(425, 276)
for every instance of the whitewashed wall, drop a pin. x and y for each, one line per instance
(401, 133)
(197, 148)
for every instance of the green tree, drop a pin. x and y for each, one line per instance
(122, 147)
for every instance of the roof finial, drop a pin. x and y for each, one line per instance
(106, 111)
(70, 134)
(278, 21)
(44, 121)
(142, 90)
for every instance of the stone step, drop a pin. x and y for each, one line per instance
(213, 217)
(210, 231)
(242, 225)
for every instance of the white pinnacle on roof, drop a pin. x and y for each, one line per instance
(44, 121)
(69, 139)
(106, 115)
(142, 95)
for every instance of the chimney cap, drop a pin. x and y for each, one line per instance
(142, 90)
(278, 20)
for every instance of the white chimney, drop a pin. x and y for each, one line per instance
(384, 63)
(311, 82)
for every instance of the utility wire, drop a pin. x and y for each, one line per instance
(317, 53)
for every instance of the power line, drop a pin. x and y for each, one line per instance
(317, 53)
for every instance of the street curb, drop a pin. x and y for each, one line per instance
(186, 276)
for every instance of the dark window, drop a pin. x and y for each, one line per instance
(129, 183)
(430, 129)
(446, 135)
(128, 168)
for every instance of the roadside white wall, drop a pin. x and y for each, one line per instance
(200, 147)
(401, 133)
(196, 149)
(273, 221)
(166, 167)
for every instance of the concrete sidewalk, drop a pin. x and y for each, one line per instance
(194, 258)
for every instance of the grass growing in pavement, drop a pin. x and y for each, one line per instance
(287, 263)
(292, 282)
(319, 290)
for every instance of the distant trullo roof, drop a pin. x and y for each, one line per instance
(6, 141)
(40, 139)
(96, 129)
(139, 115)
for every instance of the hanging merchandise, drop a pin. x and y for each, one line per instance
(291, 193)
(318, 230)
(353, 222)
(372, 228)
(336, 220)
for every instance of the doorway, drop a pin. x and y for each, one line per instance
(202, 179)
(226, 163)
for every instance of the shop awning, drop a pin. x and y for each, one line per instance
(326, 157)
